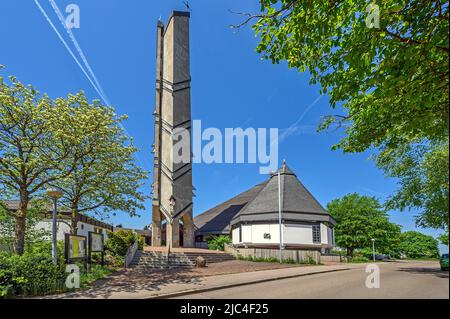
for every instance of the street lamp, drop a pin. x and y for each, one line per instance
(279, 217)
(54, 194)
(373, 248)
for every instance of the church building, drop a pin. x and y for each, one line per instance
(252, 217)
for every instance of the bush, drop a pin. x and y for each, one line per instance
(118, 242)
(141, 243)
(365, 252)
(218, 242)
(32, 273)
(359, 259)
(95, 273)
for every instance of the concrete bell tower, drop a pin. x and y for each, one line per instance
(172, 185)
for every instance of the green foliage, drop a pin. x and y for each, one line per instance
(365, 252)
(218, 242)
(32, 273)
(141, 242)
(358, 220)
(443, 239)
(424, 182)
(36, 138)
(104, 177)
(360, 259)
(118, 242)
(417, 245)
(32, 234)
(95, 273)
(68, 143)
(391, 81)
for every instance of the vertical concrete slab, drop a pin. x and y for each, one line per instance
(173, 180)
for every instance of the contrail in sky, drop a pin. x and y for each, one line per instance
(79, 50)
(291, 129)
(102, 96)
(68, 48)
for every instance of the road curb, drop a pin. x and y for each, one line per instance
(206, 289)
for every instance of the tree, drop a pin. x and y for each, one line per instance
(358, 220)
(417, 245)
(443, 239)
(391, 80)
(32, 234)
(104, 177)
(36, 136)
(424, 175)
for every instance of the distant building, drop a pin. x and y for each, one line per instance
(85, 223)
(252, 218)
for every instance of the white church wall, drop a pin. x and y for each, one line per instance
(265, 233)
(246, 233)
(297, 234)
(235, 235)
(85, 228)
(62, 227)
(300, 234)
(330, 234)
(324, 238)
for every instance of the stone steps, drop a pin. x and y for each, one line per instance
(176, 260)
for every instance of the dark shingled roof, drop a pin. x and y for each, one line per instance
(298, 204)
(260, 203)
(217, 220)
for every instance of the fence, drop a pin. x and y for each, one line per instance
(332, 258)
(298, 256)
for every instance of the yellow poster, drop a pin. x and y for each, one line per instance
(77, 247)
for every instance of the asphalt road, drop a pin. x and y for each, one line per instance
(397, 280)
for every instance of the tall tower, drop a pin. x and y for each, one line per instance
(172, 186)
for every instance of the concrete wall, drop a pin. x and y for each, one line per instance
(300, 256)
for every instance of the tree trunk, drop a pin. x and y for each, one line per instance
(74, 218)
(350, 251)
(21, 217)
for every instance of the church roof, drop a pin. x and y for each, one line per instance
(217, 219)
(260, 203)
(297, 203)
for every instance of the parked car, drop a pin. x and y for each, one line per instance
(444, 262)
(382, 257)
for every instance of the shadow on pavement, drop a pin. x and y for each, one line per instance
(426, 271)
(133, 281)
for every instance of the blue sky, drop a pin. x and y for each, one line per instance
(231, 87)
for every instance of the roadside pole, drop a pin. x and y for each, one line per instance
(279, 216)
(373, 249)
